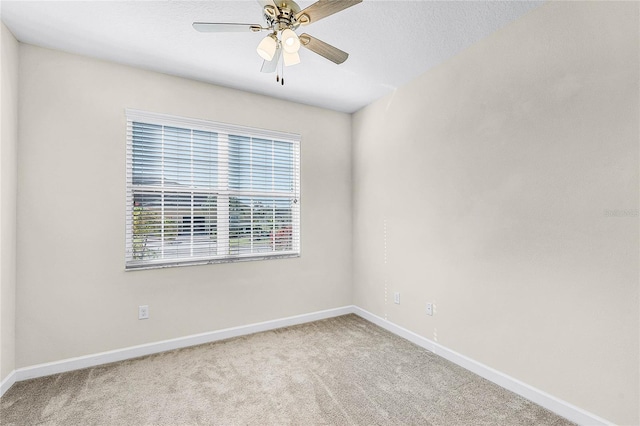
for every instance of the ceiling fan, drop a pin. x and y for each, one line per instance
(283, 17)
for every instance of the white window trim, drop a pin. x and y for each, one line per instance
(208, 126)
(223, 129)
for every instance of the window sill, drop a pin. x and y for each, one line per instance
(173, 264)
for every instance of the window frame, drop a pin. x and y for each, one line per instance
(224, 192)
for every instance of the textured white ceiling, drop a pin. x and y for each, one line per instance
(389, 42)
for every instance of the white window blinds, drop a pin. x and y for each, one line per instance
(202, 192)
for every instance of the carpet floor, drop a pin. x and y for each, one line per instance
(339, 371)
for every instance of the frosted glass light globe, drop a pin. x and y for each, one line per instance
(290, 41)
(267, 48)
(290, 58)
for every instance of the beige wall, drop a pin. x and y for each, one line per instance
(8, 186)
(494, 172)
(74, 297)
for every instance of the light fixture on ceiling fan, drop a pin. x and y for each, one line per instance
(283, 18)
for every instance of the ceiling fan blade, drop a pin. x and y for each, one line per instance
(272, 65)
(322, 9)
(217, 27)
(323, 49)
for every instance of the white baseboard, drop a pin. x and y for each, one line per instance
(542, 398)
(77, 363)
(550, 402)
(7, 382)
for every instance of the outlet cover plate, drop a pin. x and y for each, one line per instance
(430, 309)
(143, 312)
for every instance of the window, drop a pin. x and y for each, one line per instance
(203, 192)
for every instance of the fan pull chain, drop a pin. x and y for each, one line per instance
(280, 74)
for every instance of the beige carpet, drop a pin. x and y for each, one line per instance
(341, 371)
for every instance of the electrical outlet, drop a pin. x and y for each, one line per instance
(396, 297)
(143, 312)
(430, 309)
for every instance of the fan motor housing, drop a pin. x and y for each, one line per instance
(284, 16)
